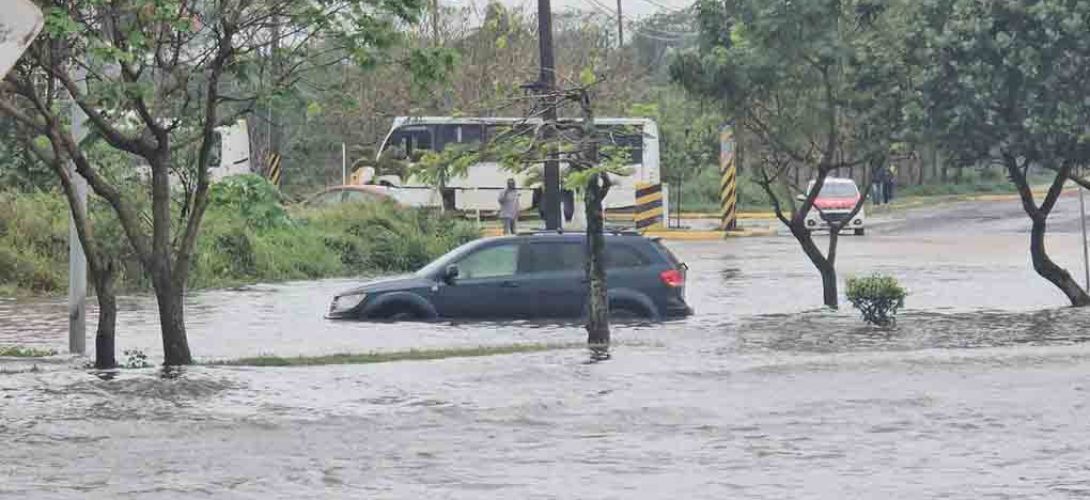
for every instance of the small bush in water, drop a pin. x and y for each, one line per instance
(877, 297)
(136, 358)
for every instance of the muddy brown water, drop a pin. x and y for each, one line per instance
(980, 391)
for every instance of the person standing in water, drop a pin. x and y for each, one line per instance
(509, 207)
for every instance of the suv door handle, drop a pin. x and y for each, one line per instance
(509, 284)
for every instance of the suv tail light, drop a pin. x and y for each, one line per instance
(673, 278)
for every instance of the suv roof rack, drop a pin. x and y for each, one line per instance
(617, 231)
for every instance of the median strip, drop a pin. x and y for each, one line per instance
(25, 352)
(387, 357)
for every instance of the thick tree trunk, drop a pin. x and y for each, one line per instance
(105, 349)
(172, 322)
(1049, 270)
(1039, 217)
(828, 284)
(598, 317)
(825, 267)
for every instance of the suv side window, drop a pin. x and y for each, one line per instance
(552, 256)
(492, 262)
(621, 256)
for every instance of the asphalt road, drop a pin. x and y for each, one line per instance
(976, 217)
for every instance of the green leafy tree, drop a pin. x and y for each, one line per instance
(1007, 82)
(156, 77)
(814, 82)
(590, 162)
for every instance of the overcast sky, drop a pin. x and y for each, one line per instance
(632, 8)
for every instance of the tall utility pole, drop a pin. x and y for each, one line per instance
(276, 132)
(620, 26)
(551, 199)
(435, 22)
(77, 260)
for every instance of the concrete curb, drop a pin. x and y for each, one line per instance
(680, 234)
(741, 216)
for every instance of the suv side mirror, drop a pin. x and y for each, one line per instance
(451, 274)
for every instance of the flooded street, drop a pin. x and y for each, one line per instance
(981, 391)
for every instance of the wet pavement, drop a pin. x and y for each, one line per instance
(980, 391)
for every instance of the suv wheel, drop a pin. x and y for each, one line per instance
(398, 312)
(627, 310)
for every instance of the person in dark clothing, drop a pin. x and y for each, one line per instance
(509, 207)
(569, 204)
(877, 186)
(888, 183)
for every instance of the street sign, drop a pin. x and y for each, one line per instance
(20, 22)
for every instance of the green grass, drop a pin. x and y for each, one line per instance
(701, 193)
(246, 237)
(25, 352)
(950, 189)
(387, 357)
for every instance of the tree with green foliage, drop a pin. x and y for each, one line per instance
(814, 82)
(589, 164)
(161, 75)
(1007, 82)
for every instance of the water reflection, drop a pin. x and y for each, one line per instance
(750, 398)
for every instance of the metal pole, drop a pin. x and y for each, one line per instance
(1085, 250)
(344, 164)
(551, 194)
(620, 26)
(435, 22)
(680, 199)
(276, 132)
(77, 260)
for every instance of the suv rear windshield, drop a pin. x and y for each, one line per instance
(674, 261)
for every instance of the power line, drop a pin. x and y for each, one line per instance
(660, 35)
(668, 8)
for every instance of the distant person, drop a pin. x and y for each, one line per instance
(876, 186)
(888, 183)
(509, 207)
(568, 197)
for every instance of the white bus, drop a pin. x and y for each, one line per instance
(479, 188)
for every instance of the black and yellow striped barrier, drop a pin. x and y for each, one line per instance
(649, 207)
(272, 163)
(728, 184)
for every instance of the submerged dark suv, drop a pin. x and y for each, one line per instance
(526, 276)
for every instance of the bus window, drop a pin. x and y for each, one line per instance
(497, 133)
(215, 156)
(413, 140)
(627, 137)
(458, 133)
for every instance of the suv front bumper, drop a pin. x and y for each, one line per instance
(815, 221)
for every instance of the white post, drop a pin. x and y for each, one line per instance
(344, 164)
(77, 260)
(1085, 250)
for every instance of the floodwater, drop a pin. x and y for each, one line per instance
(980, 391)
